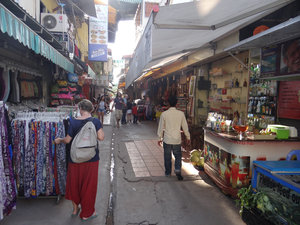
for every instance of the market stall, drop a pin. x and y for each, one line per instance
(265, 127)
(229, 160)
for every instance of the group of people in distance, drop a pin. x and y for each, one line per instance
(125, 109)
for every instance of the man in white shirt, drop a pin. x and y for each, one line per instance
(169, 131)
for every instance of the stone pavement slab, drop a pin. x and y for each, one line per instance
(147, 159)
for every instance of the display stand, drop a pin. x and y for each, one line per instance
(228, 160)
(280, 181)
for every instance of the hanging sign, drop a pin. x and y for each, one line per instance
(289, 100)
(98, 34)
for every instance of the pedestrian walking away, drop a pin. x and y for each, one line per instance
(124, 109)
(169, 132)
(101, 108)
(129, 110)
(82, 178)
(134, 113)
(118, 104)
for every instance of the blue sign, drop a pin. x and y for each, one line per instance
(97, 52)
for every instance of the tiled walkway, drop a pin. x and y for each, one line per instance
(147, 159)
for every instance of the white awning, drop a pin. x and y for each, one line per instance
(164, 61)
(91, 72)
(180, 28)
(281, 33)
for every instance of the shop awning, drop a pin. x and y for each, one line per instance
(17, 29)
(185, 27)
(281, 33)
(109, 90)
(91, 72)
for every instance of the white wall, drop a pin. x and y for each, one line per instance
(32, 7)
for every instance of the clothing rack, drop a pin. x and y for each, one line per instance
(39, 164)
(69, 110)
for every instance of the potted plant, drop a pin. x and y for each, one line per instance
(255, 208)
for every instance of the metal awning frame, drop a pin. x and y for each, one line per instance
(259, 40)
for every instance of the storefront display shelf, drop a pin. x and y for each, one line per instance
(220, 75)
(231, 159)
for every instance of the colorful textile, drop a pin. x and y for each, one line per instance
(7, 187)
(41, 168)
(61, 160)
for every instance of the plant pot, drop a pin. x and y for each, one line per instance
(200, 168)
(254, 217)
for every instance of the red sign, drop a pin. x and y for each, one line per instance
(289, 100)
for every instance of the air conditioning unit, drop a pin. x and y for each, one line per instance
(55, 22)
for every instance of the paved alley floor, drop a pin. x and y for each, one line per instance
(142, 195)
(147, 159)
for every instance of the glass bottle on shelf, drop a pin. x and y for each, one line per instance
(262, 105)
(250, 104)
(237, 84)
(245, 83)
(258, 106)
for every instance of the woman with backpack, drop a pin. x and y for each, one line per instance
(82, 178)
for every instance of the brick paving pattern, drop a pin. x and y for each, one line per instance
(146, 158)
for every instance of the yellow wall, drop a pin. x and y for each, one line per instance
(50, 4)
(82, 40)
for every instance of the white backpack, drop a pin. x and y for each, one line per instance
(84, 145)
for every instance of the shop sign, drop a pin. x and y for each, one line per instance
(72, 77)
(290, 57)
(281, 60)
(119, 63)
(289, 100)
(269, 61)
(98, 34)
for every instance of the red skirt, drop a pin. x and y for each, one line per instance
(81, 187)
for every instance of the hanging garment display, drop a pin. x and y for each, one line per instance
(7, 184)
(39, 164)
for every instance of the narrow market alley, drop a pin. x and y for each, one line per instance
(143, 195)
(139, 193)
(84, 84)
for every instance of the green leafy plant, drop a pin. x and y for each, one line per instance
(249, 200)
(246, 198)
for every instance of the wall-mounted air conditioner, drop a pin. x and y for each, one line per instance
(55, 22)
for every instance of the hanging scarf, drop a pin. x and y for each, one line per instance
(10, 196)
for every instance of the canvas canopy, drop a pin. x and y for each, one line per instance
(187, 27)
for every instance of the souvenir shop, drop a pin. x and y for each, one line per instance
(255, 118)
(31, 166)
(180, 84)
